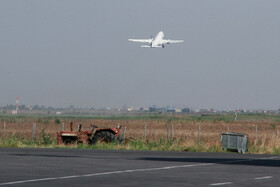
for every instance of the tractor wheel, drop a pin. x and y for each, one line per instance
(103, 136)
(120, 139)
(69, 140)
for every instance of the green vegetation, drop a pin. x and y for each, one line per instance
(166, 117)
(162, 117)
(44, 140)
(14, 141)
(268, 127)
(162, 145)
(176, 145)
(57, 121)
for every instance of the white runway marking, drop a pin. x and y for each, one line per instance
(127, 171)
(268, 158)
(266, 177)
(105, 173)
(226, 183)
(220, 184)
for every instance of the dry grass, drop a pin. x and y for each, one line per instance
(186, 132)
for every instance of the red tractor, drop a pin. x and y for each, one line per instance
(90, 137)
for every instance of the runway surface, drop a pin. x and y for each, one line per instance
(80, 167)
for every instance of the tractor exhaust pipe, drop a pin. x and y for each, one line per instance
(71, 126)
(79, 127)
(93, 127)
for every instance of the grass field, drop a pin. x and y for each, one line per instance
(263, 131)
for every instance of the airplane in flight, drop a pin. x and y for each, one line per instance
(158, 41)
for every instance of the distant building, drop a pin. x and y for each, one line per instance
(58, 113)
(130, 109)
(171, 110)
(178, 110)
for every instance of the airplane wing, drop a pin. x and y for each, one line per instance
(172, 41)
(145, 46)
(141, 40)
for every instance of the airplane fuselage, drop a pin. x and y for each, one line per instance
(157, 41)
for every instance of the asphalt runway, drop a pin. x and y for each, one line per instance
(80, 167)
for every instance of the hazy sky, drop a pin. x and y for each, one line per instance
(62, 53)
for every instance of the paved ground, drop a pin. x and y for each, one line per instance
(53, 167)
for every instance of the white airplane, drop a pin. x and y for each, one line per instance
(158, 41)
